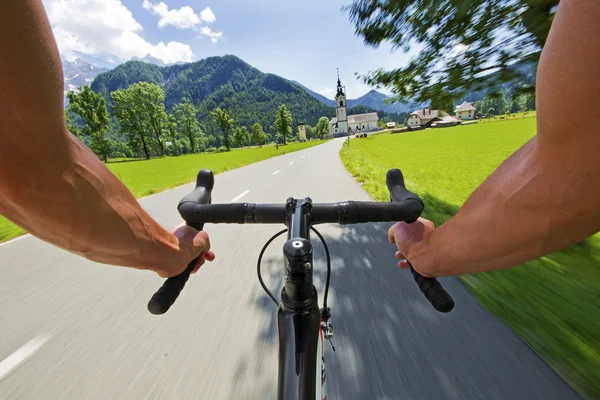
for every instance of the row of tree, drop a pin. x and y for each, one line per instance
(142, 127)
(497, 104)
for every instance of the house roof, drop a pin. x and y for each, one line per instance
(465, 107)
(358, 118)
(449, 118)
(426, 114)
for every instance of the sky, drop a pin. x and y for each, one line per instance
(299, 40)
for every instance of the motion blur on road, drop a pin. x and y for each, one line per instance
(71, 329)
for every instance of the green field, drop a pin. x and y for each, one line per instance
(553, 303)
(145, 177)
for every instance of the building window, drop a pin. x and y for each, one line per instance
(341, 103)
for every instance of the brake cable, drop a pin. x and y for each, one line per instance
(326, 312)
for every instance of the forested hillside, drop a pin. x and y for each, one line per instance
(227, 82)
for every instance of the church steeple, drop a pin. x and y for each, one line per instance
(340, 88)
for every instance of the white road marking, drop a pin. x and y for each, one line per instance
(236, 198)
(276, 172)
(309, 154)
(301, 156)
(291, 163)
(16, 358)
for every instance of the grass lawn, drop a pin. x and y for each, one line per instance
(145, 177)
(551, 302)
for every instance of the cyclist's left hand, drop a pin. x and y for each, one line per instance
(405, 236)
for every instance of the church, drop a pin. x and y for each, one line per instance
(344, 124)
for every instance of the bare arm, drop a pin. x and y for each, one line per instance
(546, 196)
(54, 186)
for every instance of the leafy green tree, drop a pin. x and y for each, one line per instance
(515, 106)
(131, 117)
(443, 103)
(241, 136)
(152, 101)
(225, 123)
(283, 122)
(310, 131)
(322, 126)
(258, 135)
(459, 41)
(479, 109)
(91, 107)
(187, 123)
(530, 102)
(71, 126)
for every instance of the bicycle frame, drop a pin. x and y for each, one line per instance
(301, 366)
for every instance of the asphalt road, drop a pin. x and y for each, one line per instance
(72, 329)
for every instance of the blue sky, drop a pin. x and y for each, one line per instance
(301, 40)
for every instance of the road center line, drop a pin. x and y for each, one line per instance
(239, 196)
(16, 358)
(276, 172)
(309, 154)
(301, 156)
(291, 163)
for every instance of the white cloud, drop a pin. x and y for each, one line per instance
(108, 26)
(327, 92)
(214, 36)
(182, 18)
(207, 16)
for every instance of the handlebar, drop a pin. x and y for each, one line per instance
(195, 209)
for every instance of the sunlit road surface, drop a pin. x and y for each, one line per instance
(72, 329)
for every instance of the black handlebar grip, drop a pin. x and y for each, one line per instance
(164, 298)
(398, 192)
(434, 292)
(205, 181)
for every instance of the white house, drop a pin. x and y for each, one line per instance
(422, 118)
(343, 124)
(465, 111)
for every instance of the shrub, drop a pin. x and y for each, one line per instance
(211, 150)
(222, 149)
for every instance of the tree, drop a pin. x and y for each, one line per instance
(241, 136)
(530, 102)
(258, 135)
(226, 123)
(515, 106)
(152, 98)
(444, 103)
(187, 123)
(459, 41)
(91, 107)
(479, 109)
(128, 110)
(322, 126)
(283, 122)
(72, 127)
(310, 131)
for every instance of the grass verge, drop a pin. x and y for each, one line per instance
(552, 302)
(145, 177)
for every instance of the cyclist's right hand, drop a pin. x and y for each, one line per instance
(405, 236)
(192, 244)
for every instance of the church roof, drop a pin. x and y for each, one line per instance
(363, 117)
(353, 119)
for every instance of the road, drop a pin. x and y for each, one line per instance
(72, 329)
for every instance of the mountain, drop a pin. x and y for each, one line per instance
(320, 97)
(373, 99)
(150, 60)
(79, 73)
(227, 82)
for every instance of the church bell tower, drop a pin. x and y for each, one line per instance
(340, 108)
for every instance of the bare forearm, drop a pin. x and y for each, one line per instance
(82, 207)
(533, 204)
(51, 184)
